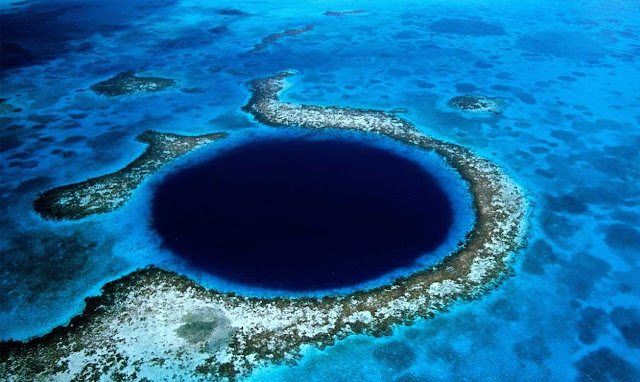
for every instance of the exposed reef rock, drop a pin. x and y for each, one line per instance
(344, 13)
(108, 192)
(128, 83)
(476, 103)
(136, 328)
(266, 107)
(277, 36)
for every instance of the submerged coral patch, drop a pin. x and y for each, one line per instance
(230, 12)
(344, 13)
(277, 36)
(466, 27)
(6, 108)
(569, 44)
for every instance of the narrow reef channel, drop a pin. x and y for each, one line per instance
(154, 322)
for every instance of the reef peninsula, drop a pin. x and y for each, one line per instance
(108, 192)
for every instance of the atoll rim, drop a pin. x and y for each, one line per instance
(227, 336)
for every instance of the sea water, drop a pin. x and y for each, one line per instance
(569, 134)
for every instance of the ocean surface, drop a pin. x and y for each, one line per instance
(568, 73)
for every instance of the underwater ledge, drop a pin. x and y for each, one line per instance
(154, 321)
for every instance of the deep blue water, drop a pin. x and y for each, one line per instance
(302, 215)
(569, 134)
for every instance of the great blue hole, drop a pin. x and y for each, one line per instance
(301, 215)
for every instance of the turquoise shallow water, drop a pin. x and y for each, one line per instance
(569, 134)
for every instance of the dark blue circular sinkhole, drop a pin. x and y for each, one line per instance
(302, 215)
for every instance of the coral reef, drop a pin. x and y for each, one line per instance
(128, 83)
(230, 12)
(277, 36)
(476, 103)
(108, 192)
(136, 328)
(6, 108)
(344, 13)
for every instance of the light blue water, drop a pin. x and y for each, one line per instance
(570, 135)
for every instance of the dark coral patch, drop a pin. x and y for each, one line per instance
(466, 88)
(504, 309)
(591, 324)
(15, 55)
(526, 98)
(6, 108)
(220, 29)
(406, 35)
(344, 13)
(43, 118)
(396, 355)
(9, 141)
(230, 12)
(584, 273)
(482, 65)
(192, 90)
(539, 254)
(627, 321)
(25, 164)
(566, 203)
(604, 365)
(42, 31)
(49, 263)
(277, 36)
(626, 216)
(466, 27)
(567, 78)
(557, 226)
(565, 44)
(476, 103)
(424, 84)
(533, 349)
(622, 236)
(75, 139)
